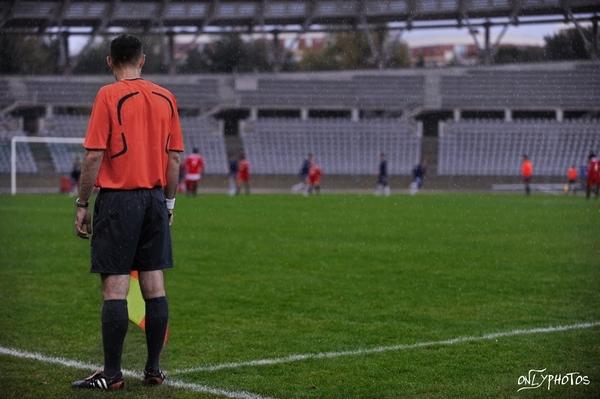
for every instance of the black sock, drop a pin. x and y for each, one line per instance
(157, 317)
(114, 327)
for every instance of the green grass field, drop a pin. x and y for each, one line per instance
(270, 276)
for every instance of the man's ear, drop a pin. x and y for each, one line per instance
(142, 61)
(109, 61)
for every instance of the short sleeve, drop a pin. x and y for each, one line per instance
(176, 141)
(98, 131)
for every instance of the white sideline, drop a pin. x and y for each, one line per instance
(88, 366)
(379, 349)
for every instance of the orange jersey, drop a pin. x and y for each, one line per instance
(572, 174)
(244, 170)
(527, 168)
(136, 123)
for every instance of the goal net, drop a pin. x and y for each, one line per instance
(42, 164)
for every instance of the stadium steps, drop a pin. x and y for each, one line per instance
(43, 158)
(233, 145)
(429, 153)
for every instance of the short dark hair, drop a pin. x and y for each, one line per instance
(125, 49)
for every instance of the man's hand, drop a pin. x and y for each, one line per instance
(170, 217)
(83, 226)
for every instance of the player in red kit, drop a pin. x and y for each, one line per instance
(314, 178)
(194, 167)
(243, 176)
(593, 176)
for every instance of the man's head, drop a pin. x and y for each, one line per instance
(195, 150)
(525, 157)
(592, 155)
(125, 53)
(310, 156)
(382, 156)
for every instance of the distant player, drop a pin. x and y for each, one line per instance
(418, 177)
(383, 187)
(243, 176)
(194, 167)
(314, 179)
(572, 179)
(593, 176)
(75, 174)
(304, 171)
(232, 176)
(527, 173)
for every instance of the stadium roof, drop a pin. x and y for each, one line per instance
(286, 15)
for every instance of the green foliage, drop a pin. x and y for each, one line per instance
(268, 276)
(28, 55)
(232, 54)
(351, 50)
(93, 61)
(510, 54)
(567, 45)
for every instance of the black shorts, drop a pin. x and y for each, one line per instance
(131, 232)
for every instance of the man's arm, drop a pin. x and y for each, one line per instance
(172, 181)
(89, 170)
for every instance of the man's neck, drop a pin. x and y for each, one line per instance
(127, 73)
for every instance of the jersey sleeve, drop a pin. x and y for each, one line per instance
(176, 142)
(98, 131)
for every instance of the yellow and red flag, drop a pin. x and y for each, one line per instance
(136, 304)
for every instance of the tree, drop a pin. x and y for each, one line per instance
(28, 55)
(512, 54)
(93, 61)
(566, 45)
(351, 50)
(232, 54)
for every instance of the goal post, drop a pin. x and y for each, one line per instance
(32, 139)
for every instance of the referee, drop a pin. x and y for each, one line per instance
(132, 147)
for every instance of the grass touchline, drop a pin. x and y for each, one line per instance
(379, 349)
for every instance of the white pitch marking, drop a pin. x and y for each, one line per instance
(380, 349)
(129, 373)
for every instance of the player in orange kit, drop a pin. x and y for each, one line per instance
(527, 173)
(243, 176)
(572, 179)
(194, 167)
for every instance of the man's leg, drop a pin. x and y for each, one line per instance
(115, 320)
(157, 315)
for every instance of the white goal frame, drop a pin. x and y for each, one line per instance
(32, 139)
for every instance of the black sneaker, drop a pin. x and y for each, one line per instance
(153, 377)
(99, 381)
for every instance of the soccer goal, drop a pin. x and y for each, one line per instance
(55, 156)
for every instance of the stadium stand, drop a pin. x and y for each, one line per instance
(202, 93)
(277, 146)
(65, 126)
(25, 161)
(60, 92)
(206, 135)
(389, 92)
(484, 147)
(6, 95)
(571, 88)
(364, 91)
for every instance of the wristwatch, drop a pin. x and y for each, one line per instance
(81, 204)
